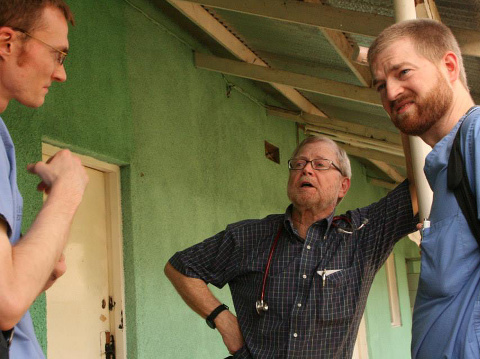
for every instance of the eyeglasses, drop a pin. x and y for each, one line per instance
(62, 55)
(319, 164)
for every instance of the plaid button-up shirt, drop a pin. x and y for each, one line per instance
(308, 317)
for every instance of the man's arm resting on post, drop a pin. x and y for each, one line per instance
(196, 294)
(25, 268)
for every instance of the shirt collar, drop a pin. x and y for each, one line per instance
(288, 222)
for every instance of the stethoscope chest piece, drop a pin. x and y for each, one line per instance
(261, 306)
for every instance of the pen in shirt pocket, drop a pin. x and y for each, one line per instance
(325, 273)
(425, 225)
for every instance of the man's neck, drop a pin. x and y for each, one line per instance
(303, 218)
(4, 101)
(460, 105)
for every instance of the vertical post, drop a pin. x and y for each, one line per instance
(405, 10)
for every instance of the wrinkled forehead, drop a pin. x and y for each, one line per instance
(317, 150)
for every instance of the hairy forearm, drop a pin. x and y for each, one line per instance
(27, 266)
(196, 294)
(194, 291)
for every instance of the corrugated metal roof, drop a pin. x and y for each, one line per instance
(287, 46)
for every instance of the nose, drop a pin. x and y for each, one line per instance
(308, 169)
(393, 90)
(59, 74)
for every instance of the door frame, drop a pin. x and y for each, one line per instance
(114, 243)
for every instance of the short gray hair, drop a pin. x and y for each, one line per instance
(342, 157)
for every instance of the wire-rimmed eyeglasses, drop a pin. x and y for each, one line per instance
(319, 164)
(62, 55)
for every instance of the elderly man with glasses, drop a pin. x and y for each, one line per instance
(33, 47)
(299, 280)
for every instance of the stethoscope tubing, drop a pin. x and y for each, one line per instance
(261, 305)
(269, 262)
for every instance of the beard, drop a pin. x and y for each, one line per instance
(426, 111)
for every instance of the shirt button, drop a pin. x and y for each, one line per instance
(299, 305)
(304, 276)
(295, 335)
(308, 247)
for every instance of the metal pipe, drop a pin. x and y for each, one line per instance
(405, 10)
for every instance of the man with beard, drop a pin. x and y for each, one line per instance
(313, 269)
(418, 71)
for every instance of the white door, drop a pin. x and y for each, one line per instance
(86, 304)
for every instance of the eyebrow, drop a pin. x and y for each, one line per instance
(393, 68)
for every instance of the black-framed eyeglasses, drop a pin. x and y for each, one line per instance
(319, 164)
(62, 55)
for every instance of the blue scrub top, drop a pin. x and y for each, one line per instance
(446, 318)
(24, 344)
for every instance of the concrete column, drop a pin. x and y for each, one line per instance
(405, 10)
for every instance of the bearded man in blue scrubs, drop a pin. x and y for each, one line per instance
(418, 71)
(33, 47)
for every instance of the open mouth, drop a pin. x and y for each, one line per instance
(306, 184)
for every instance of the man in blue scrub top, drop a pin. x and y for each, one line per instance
(419, 74)
(33, 46)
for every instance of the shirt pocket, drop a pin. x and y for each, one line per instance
(447, 249)
(339, 291)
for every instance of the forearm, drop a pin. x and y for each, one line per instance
(27, 266)
(193, 291)
(196, 294)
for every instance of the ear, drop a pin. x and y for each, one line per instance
(344, 187)
(450, 64)
(7, 36)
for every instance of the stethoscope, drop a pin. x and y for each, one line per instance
(347, 220)
(261, 305)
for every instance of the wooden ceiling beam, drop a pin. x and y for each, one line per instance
(298, 81)
(329, 17)
(358, 141)
(305, 13)
(367, 153)
(391, 172)
(202, 18)
(390, 138)
(346, 51)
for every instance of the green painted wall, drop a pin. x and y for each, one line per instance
(192, 161)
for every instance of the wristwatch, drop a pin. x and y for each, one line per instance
(211, 318)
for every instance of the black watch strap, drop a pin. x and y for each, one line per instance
(211, 318)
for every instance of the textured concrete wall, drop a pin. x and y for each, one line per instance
(192, 161)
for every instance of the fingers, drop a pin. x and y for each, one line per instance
(64, 168)
(42, 186)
